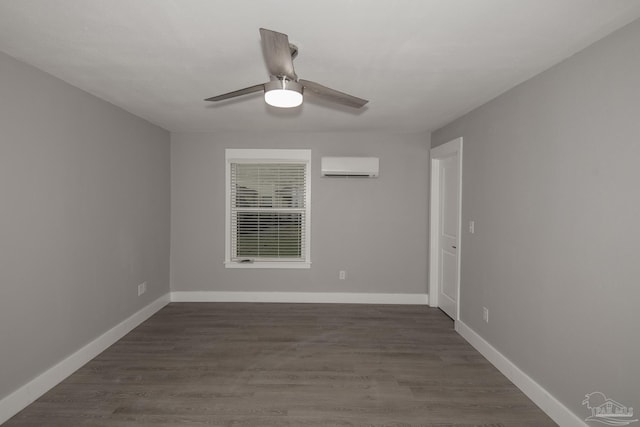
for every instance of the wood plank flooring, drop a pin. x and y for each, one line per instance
(237, 364)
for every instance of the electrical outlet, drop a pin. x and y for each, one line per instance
(142, 288)
(472, 227)
(342, 275)
(485, 314)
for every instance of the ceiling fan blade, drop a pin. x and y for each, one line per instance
(332, 94)
(235, 93)
(277, 54)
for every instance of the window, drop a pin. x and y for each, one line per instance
(267, 202)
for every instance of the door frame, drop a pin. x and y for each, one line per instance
(435, 155)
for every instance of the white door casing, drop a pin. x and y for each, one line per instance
(445, 219)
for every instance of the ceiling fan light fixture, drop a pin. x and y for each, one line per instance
(283, 93)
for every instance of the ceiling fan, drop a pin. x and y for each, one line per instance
(285, 90)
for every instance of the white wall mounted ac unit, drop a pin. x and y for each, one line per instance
(362, 167)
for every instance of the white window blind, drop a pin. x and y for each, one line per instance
(268, 211)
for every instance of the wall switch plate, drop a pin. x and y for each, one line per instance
(142, 288)
(485, 314)
(472, 227)
(342, 275)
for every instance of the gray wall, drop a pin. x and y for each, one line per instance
(551, 177)
(375, 229)
(84, 218)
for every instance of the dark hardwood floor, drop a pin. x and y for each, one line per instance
(237, 364)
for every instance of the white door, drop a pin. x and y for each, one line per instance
(445, 227)
(449, 229)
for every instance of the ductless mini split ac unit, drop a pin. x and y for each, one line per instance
(347, 167)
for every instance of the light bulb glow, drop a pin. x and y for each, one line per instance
(283, 94)
(283, 98)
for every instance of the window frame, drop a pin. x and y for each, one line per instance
(238, 155)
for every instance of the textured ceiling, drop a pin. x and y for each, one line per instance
(421, 63)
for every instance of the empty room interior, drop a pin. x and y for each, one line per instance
(444, 230)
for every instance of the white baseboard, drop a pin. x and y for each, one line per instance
(538, 394)
(301, 297)
(25, 395)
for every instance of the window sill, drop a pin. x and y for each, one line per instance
(262, 264)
